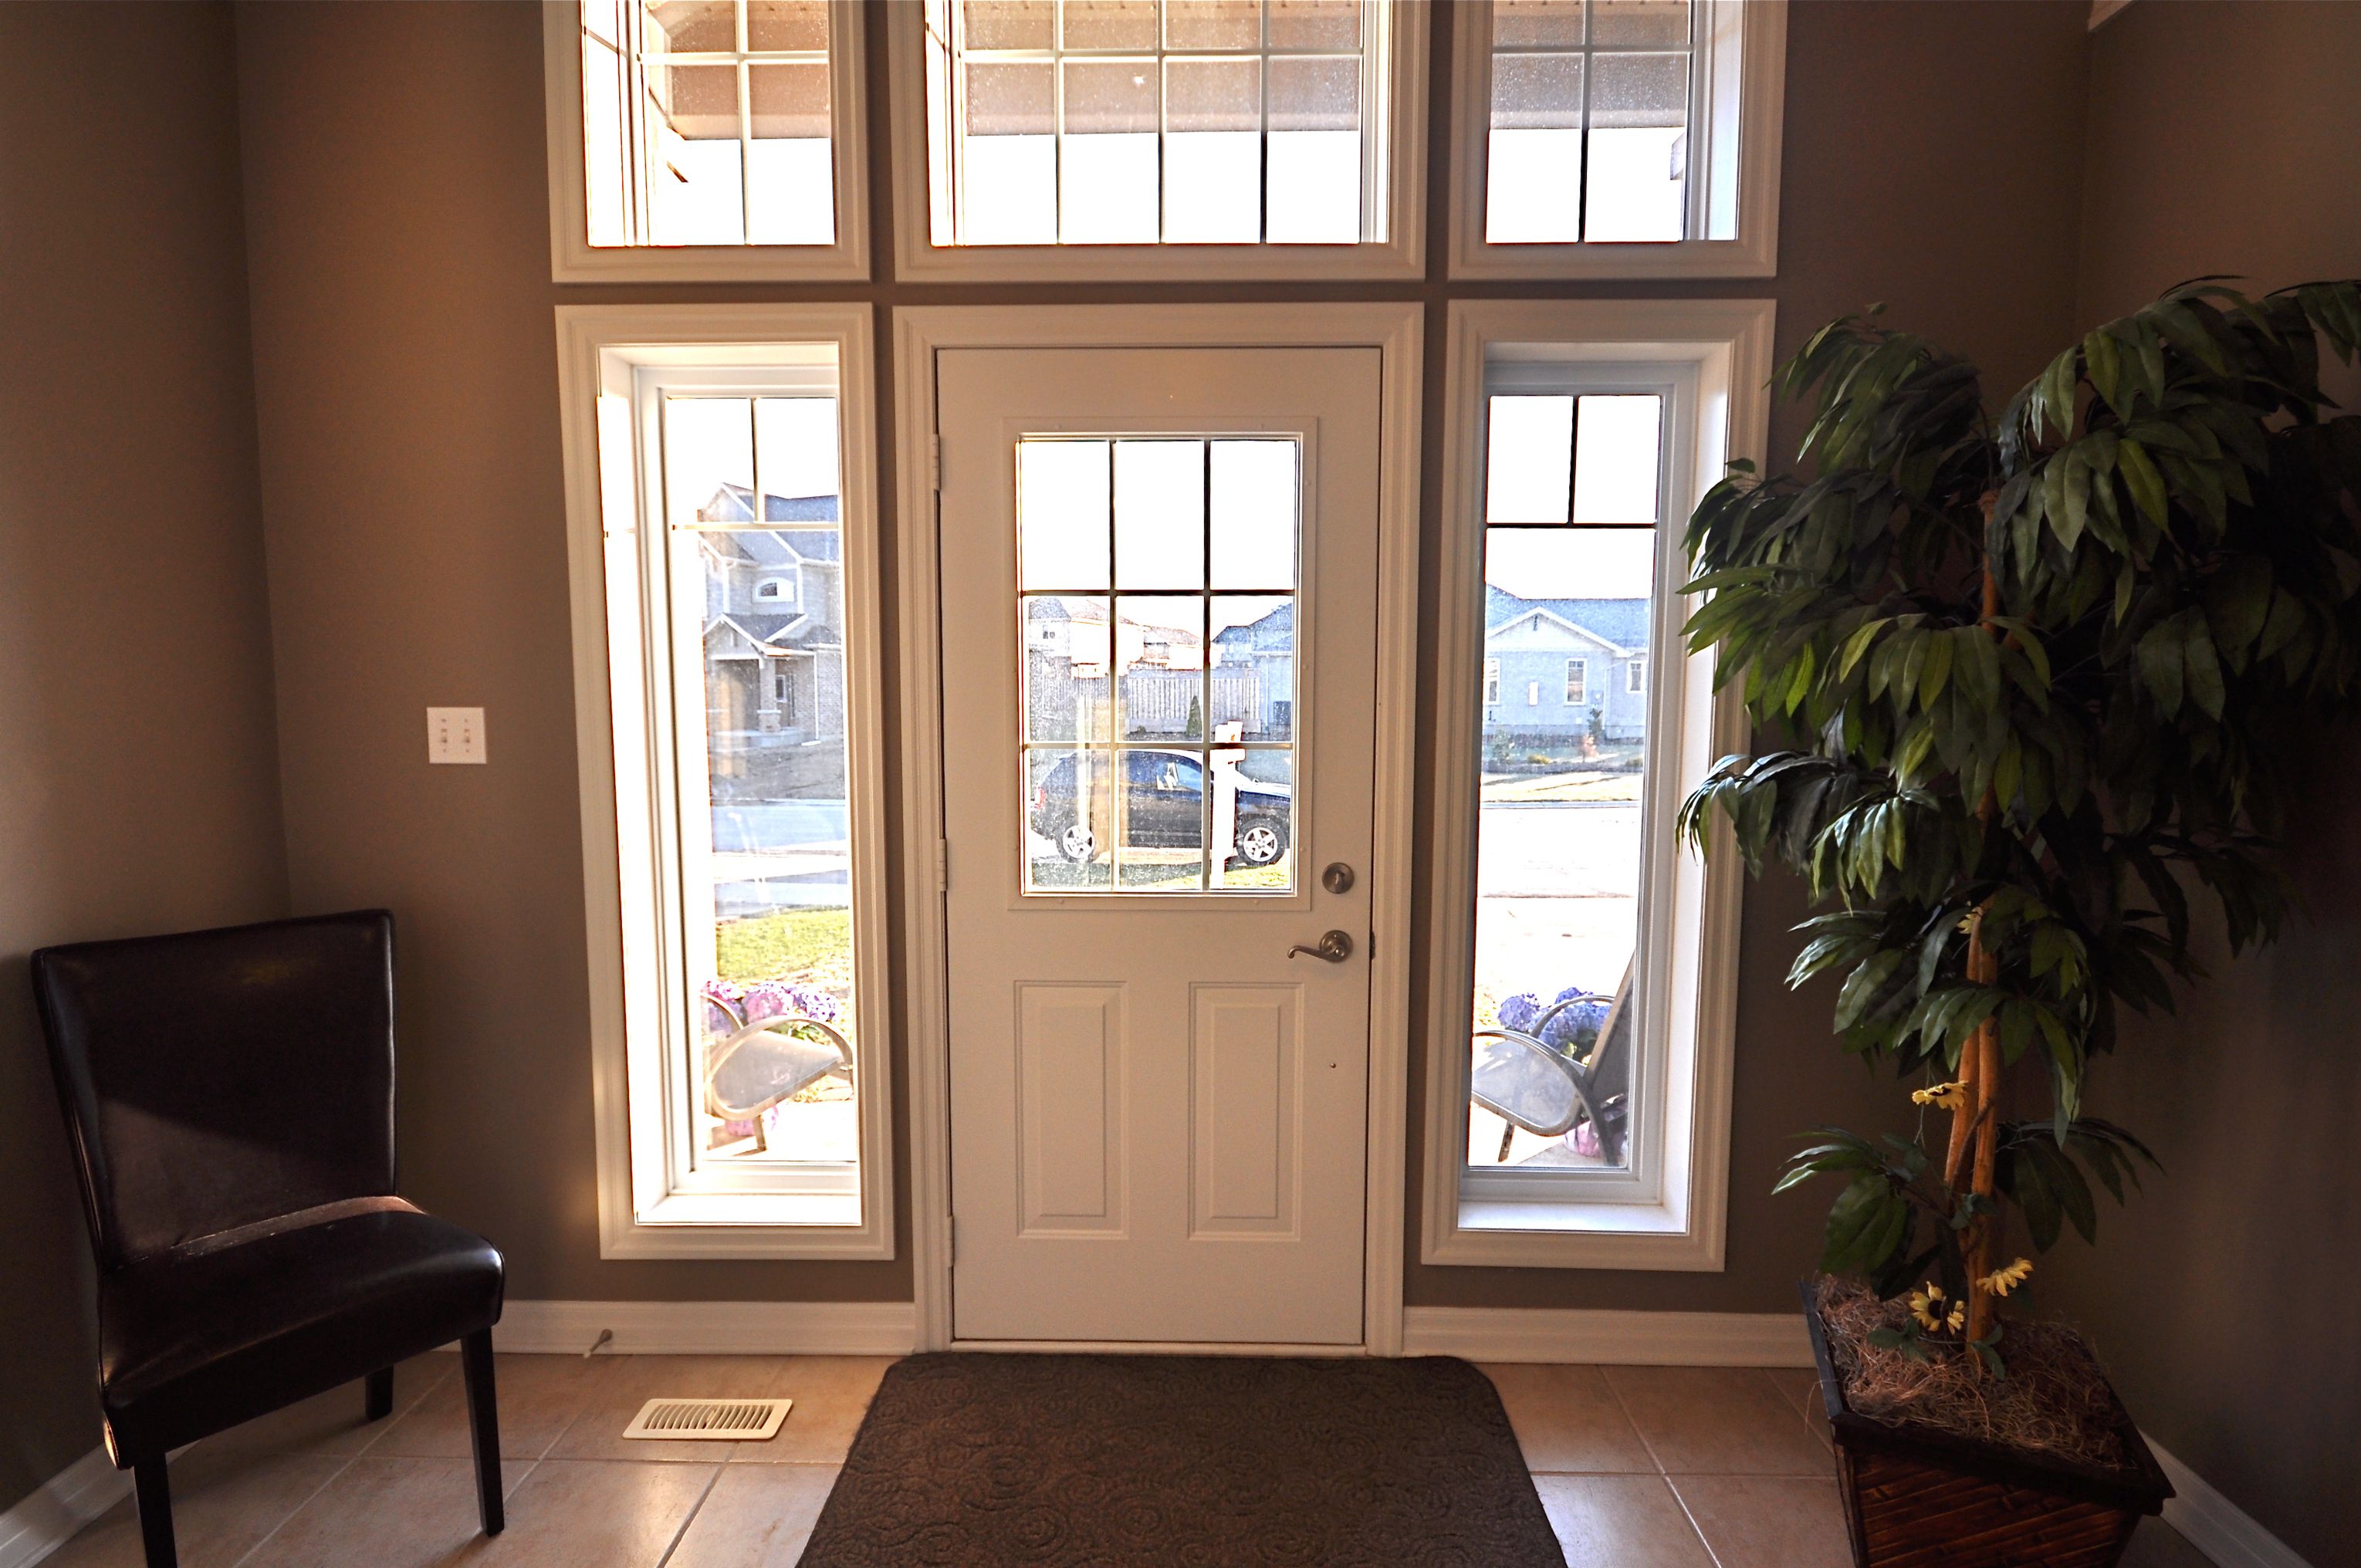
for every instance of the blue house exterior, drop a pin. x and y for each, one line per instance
(1550, 663)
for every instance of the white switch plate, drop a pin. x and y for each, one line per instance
(455, 734)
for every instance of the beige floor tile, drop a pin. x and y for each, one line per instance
(1568, 1420)
(1800, 1384)
(394, 1512)
(602, 1512)
(539, 1396)
(222, 1504)
(831, 1394)
(757, 1516)
(2156, 1545)
(627, 1382)
(1767, 1521)
(331, 1422)
(1620, 1521)
(1726, 1420)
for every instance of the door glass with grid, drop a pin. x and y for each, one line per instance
(1157, 609)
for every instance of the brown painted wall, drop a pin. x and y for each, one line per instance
(407, 403)
(2222, 140)
(136, 786)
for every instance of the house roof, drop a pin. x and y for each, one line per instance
(780, 547)
(794, 633)
(735, 503)
(1623, 622)
(1275, 630)
(1050, 607)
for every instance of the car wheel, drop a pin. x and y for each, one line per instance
(1076, 843)
(1261, 841)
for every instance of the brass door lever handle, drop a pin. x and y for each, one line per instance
(1333, 946)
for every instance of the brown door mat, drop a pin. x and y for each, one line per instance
(988, 1461)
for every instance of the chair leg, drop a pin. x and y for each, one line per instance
(380, 1387)
(154, 1490)
(483, 1416)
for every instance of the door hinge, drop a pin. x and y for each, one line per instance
(951, 1237)
(942, 865)
(935, 463)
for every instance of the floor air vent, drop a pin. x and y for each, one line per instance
(723, 1421)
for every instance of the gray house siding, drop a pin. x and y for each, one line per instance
(1528, 647)
(775, 648)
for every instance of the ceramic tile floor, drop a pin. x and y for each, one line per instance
(1637, 1467)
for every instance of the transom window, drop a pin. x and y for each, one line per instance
(1157, 603)
(1618, 138)
(706, 121)
(1141, 122)
(1570, 508)
(1589, 120)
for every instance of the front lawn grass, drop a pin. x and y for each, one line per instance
(788, 945)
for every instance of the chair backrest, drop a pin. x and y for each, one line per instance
(218, 1078)
(1610, 1055)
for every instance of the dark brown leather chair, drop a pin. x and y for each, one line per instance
(229, 1095)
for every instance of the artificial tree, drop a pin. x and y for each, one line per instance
(2033, 676)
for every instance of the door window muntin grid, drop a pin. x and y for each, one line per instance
(1095, 588)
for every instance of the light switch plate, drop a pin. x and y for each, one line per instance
(455, 734)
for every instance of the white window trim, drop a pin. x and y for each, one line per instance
(1676, 1219)
(639, 1215)
(1759, 110)
(1400, 255)
(573, 259)
(1397, 331)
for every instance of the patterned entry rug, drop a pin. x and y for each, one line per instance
(987, 1461)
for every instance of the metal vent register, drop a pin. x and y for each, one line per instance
(725, 1421)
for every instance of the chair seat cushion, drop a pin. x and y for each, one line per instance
(228, 1327)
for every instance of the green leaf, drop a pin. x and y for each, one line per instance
(1856, 645)
(2161, 653)
(2146, 484)
(1935, 670)
(1862, 986)
(2105, 365)
(2204, 672)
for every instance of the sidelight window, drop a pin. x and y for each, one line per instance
(1581, 991)
(740, 848)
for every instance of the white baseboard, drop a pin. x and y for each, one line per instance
(60, 1506)
(2216, 1526)
(710, 1328)
(1609, 1338)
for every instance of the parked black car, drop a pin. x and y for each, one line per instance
(1164, 793)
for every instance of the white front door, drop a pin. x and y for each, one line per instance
(1159, 574)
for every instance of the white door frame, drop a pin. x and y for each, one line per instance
(1397, 332)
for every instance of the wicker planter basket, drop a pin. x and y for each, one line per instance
(1919, 1498)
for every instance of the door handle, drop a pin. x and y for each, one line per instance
(1333, 946)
